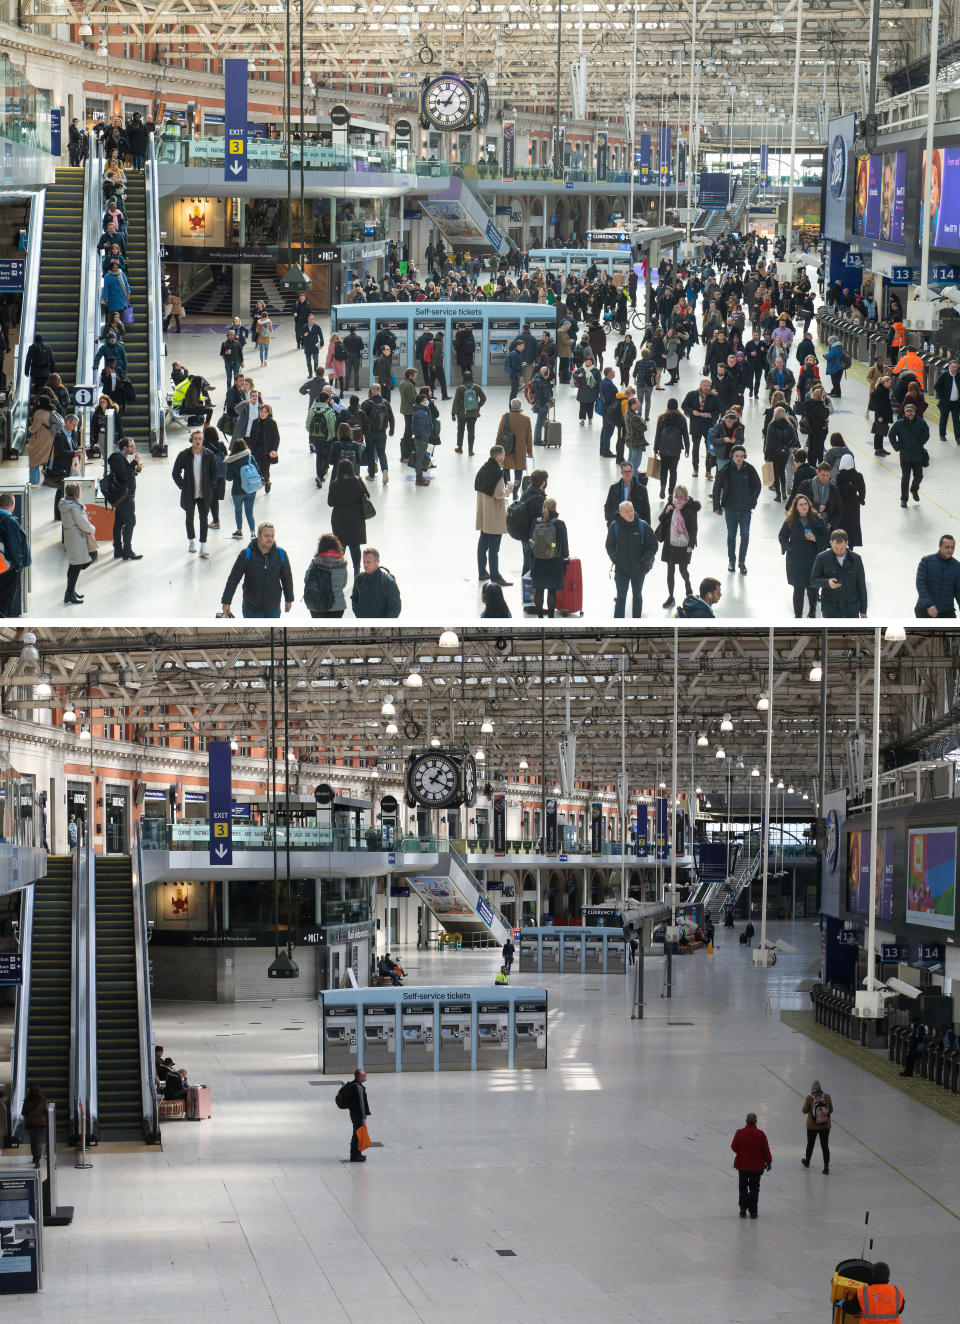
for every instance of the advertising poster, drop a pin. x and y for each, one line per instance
(944, 221)
(442, 897)
(872, 225)
(931, 876)
(644, 158)
(601, 158)
(596, 827)
(642, 824)
(858, 874)
(551, 826)
(509, 142)
(499, 825)
(559, 137)
(880, 197)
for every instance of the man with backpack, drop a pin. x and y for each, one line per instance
(265, 571)
(120, 489)
(524, 512)
(352, 1098)
(468, 400)
(672, 437)
(817, 1108)
(321, 429)
(632, 547)
(378, 420)
(422, 424)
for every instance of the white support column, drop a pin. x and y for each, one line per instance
(869, 1003)
(788, 265)
(761, 955)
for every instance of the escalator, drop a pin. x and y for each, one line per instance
(48, 1031)
(118, 1031)
(136, 419)
(61, 265)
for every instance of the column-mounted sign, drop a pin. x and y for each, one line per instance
(601, 158)
(596, 827)
(55, 131)
(403, 131)
(339, 117)
(642, 823)
(499, 825)
(550, 827)
(235, 121)
(660, 828)
(644, 158)
(221, 802)
(509, 143)
(764, 175)
(559, 138)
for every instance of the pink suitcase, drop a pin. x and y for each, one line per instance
(198, 1103)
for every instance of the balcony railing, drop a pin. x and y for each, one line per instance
(270, 154)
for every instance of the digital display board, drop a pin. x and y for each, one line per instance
(944, 220)
(931, 876)
(858, 873)
(880, 197)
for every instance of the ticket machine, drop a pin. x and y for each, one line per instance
(380, 1038)
(550, 959)
(403, 354)
(616, 955)
(503, 332)
(416, 1033)
(455, 1035)
(493, 1043)
(593, 956)
(340, 1040)
(529, 948)
(530, 1034)
(572, 953)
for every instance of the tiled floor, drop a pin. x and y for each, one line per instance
(427, 537)
(609, 1175)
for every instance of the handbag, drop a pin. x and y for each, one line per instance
(363, 1138)
(804, 426)
(126, 317)
(926, 458)
(367, 508)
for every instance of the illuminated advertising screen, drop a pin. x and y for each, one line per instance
(880, 197)
(944, 220)
(858, 874)
(931, 876)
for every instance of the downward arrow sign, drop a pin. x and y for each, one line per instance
(220, 851)
(236, 167)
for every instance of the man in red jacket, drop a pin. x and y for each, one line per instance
(753, 1156)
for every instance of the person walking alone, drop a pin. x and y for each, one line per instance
(359, 1107)
(818, 1109)
(753, 1157)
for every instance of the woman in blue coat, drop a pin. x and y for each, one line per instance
(803, 535)
(116, 289)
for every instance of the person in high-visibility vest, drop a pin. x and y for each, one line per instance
(880, 1301)
(899, 337)
(502, 976)
(912, 362)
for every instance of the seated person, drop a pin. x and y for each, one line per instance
(387, 970)
(176, 1085)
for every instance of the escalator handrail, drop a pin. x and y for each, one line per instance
(90, 269)
(20, 411)
(148, 1091)
(154, 310)
(79, 998)
(92, 1102)
(21, 1022)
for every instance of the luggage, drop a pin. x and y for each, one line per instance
(526, 591)
(198, 1103)
(172, 1110)
(101, 517)
(570, 597)
(553, 433)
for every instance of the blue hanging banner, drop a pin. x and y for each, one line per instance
(642, 821)
(55, 131)
(764, 164)
(235, 121)
(663, 154)
(219, 775)
(661, 829)
(644, 158)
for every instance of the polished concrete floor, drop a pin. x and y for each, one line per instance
(427, 538)
(608, 1175)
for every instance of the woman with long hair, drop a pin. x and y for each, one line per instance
(803, 535)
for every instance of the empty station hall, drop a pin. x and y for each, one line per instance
(564, 974)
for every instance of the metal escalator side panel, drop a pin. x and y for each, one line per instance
(154, 309)
(21, 1018)
(148, 1091)
(20, 409)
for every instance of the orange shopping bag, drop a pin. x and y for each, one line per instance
(363, 1138)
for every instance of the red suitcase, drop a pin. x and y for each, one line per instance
(198, 1103)
(570, 597)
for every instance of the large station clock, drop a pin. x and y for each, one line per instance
(433, 780)
(446, 102)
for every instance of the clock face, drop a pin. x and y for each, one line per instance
(483, 104)
(448, 102)
(435, 780)
(470, 782)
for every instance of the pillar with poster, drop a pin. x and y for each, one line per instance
(550, 827)
(499, 824)
(596, 827)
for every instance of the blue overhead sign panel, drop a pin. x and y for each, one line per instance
(235, 121)
(11, 275)
(221, 802)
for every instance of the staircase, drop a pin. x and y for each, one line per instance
(61, 263)
(48, 1032)
(747, 869)
(136, 418)
(458, 203)
(118, 1027)
(460, 902)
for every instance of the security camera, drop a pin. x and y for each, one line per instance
(951, 294)
(898, 986)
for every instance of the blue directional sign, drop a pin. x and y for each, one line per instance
(11, 275)
(235, 121)
(220, 799)
(485, 911)
(11, 968)
(391, 858)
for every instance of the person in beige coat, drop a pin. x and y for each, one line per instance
(40, 445)
(491, 516)
(79, 540)
(516, 459)
(818, 1109)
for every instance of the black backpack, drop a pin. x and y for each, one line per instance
(379, 416)
(112, 488)
(518, 520)
(316, 590)
(343, 1098)
(614, 413)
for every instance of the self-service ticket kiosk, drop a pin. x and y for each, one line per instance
(529, 951)
(572, 953)
(403, 354)
(593, 956)
(530, 1034)
(493, 1040)
(550, 957)
(503, 332)
(616, 955)
(456, 1033)
(340, 1040)
(380, 1038)
(416, 1033)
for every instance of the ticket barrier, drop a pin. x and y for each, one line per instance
(380, 1038)
(456, 1036)
(530, 1034)
(493, 1041)
(529, 952)
(340, 1040)
(572, 944)
(416, 1032)
(550, 955)
(593, 956)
